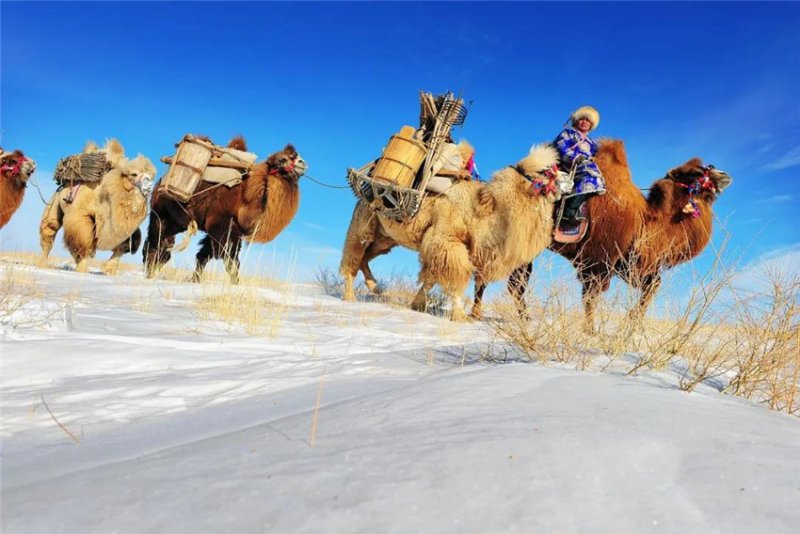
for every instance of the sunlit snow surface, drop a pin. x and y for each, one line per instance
(187, 424)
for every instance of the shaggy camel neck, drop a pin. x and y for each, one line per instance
(282, 201)
(10, 197)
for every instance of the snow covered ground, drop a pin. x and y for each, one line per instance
(352, 418)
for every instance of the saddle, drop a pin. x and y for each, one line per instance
(568, 230)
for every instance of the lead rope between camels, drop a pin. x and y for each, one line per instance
(326, 185)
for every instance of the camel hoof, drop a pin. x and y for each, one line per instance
(349, 297)
(460, 317)
(419, 306)
(195, 278)
(476, 315)
(372, 285)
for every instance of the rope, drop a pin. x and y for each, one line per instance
(326, 185)
(33, 182)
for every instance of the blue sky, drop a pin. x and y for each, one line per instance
(674, 80)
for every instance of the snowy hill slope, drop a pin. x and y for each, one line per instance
(352, 418)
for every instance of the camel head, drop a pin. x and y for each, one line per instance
(287, 163)
(698, 179)
(539, 171)
(16, 167)
(140, 172)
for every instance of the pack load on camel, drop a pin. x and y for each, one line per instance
(416, 160)
(87, 167)
(198, 159)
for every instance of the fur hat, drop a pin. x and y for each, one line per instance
(586, 112)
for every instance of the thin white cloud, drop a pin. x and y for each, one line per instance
(779, 264)
(789, 159)
(313, 226)
(776, 199)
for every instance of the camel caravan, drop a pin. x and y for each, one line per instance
(574, 196)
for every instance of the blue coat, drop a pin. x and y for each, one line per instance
(571, 144)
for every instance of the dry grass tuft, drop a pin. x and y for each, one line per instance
(18, 290)
(397, 290)
(713, 332)
(258, 304)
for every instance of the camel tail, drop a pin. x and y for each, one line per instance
(190, 232)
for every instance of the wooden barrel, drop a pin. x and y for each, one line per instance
(401, 159)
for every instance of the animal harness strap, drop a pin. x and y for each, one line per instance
(542, 186)
(14, 168)
(73, 191)
(704, 183)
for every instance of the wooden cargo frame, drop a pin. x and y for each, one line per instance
(438, 115)
(391, 200)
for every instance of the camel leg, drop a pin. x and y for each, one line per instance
(160, 238)
(222, 241)
(457, 303)
(111, 267)
(445, 260)
(205, 253)
(477, 302)
(517, 286)
(650, 284)
(420, 302)
(52, 220)
(360, 235)
(377, 248)
(232, 247)
(79, 239)
(594, 283)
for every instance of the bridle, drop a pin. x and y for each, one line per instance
(288, 168)
(697, 186)
(542, 186)
(14, 169)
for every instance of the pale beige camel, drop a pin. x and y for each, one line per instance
(102, 215)
(481, 229)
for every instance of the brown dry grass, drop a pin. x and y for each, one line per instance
(714, 332)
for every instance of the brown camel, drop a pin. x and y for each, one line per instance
(486, 229)
(635, 237)
(257, 210)
(15, 169)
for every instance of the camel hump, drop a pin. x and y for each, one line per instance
(615, 149)
(238, 143)
(90, 146)
(539, 158)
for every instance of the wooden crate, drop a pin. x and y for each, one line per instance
(187, 167)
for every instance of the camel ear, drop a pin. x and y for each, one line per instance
(90, 146)
(290, 148)
(114, 152)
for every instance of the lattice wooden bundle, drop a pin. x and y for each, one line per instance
(89, 167)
